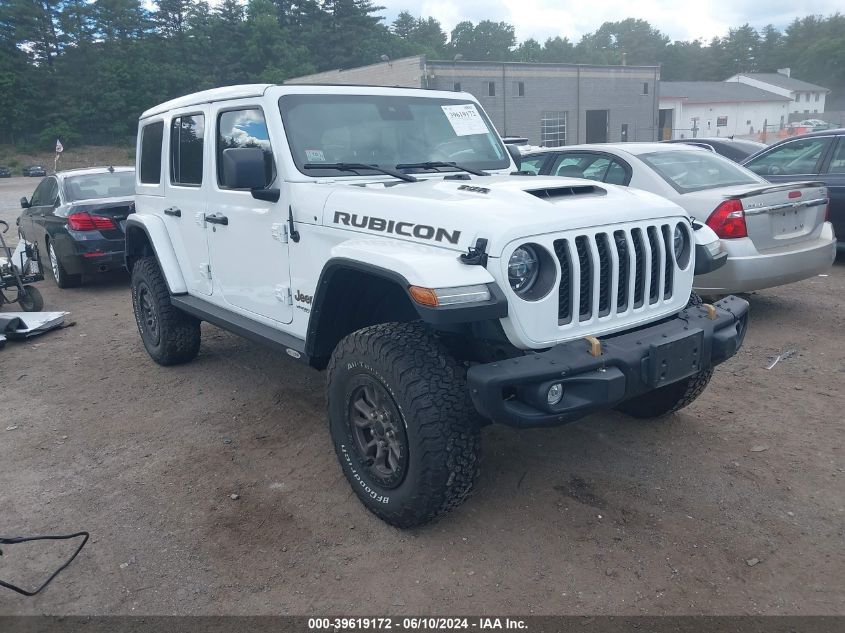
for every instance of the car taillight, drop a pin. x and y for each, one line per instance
(728, 220)
(86, 222)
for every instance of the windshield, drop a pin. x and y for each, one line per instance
(697, 170)
(120, 184)
(388, 131)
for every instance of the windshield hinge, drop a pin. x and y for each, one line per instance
(476, 255)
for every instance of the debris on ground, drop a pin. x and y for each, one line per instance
(752, 561)
(18, 326)
(780, 357)
(759, 448)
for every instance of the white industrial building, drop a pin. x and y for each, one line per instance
(804, 97)
(690, 109)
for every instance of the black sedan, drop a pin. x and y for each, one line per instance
(77, 217)
(737, 149)
(5, 172)
(34, 171)
(815, 156)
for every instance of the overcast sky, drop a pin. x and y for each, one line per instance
(679, 19)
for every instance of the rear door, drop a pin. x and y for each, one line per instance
(187, 181)
(833, 175)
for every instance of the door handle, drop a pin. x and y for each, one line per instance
(174, 211)
(217, 218)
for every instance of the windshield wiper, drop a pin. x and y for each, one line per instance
(434, 164)
(355, 167)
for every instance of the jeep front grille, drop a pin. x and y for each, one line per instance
(606, 273)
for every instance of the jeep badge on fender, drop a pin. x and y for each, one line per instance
(387, 236)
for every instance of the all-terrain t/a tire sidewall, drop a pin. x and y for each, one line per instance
(169, 335)
(429, 393)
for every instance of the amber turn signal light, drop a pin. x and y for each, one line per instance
(424, 296)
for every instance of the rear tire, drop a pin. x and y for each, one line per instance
(402, 423)
(30, 299)
(63, 279)
(170, 336)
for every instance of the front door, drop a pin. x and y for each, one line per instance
(834, 178)
(596, 126)
(249, 249)
(188, 181)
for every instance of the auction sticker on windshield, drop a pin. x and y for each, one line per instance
(465, 119)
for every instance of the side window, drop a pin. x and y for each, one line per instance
(570, 165)
(41, 195)
(532, 163)
(52, 191)
(795, 157)
(616, 174)
(244, 128)
(837, 165)
(151, 136)
(597, 169)
(186, 144)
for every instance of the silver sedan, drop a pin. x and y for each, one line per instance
(774, 233)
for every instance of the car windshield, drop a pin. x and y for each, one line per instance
(388, 131)
(119, 184)
(697, 170)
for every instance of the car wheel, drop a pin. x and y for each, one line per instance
(402, 424)
(63, 279)
(30, 299)
(170, 335)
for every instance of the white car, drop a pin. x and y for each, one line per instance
(774, 234)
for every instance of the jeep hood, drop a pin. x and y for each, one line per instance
(455, 213)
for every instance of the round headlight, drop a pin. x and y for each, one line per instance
(523, 268)
(680, 244)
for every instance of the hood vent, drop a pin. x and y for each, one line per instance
(555, 193)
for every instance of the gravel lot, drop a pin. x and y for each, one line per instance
(604, 516)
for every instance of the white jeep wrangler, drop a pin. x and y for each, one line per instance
(387, 234)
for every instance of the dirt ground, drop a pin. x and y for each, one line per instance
(734, 506)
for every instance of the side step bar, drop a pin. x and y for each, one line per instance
(240, 325)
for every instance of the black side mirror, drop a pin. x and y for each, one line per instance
(243, 168)
(25, 203)
(513, 150)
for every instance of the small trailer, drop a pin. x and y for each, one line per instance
(18, 269)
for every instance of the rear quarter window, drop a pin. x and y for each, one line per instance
(150, 163)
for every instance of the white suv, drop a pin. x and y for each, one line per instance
(386, 234)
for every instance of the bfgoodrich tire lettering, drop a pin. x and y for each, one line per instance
(169, 335)
(438, 462)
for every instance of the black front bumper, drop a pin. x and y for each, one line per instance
(514, 391)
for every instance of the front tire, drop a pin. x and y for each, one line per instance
(402, 423)
(170, 336)
(666, 400)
